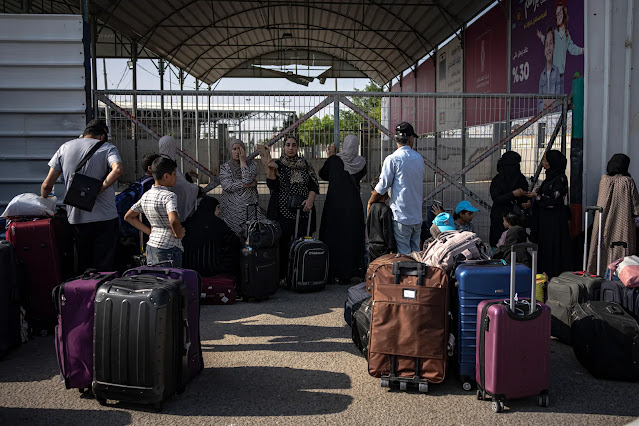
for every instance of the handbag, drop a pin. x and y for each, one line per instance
(295, 201)
(83, 190)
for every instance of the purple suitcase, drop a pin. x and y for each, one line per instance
(74, 300)
(513, 346)
(193, 283)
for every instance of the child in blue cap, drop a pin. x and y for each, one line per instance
(464, 213)
(444, 222)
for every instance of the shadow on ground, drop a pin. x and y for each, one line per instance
(45, 416)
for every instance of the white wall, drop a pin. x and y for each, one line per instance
(611, 80)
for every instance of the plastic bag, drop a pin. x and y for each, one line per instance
(30, 205)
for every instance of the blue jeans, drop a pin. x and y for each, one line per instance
(406, 237)
(156, 255)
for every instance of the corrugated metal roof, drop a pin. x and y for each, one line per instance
(209, 39)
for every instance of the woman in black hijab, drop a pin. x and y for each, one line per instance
(507, 189)
(551, 217)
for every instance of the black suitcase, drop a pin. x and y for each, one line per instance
(617, 292)
(571, 288)
(361, 325)
(259, 272)
(140, 340)
(356, 295)
(307, 261)
(606, 340)
(9, 299)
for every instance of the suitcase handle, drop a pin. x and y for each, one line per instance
(407, 268)
(297, 223)
(256, 205)
(513, 265)
(585, 263)
(615, 310)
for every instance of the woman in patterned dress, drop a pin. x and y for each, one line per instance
(290, 179)
(238, 178)
(620, 201)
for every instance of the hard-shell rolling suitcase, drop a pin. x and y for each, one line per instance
(570, 288)
(606, 340)
(478, 281)
(218, 290)
(356, 295)
(408, 343)
(141, 340)
(74, 300)
(361, 326)
(36, 246)
(193, 283)
(10, 296)
(513, 345)
(307, 262)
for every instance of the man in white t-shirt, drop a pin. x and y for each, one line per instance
(95, 232)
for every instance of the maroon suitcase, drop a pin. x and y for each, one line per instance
(218, 290)
(513, 346)
(36, 245)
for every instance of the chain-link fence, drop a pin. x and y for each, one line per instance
(461, 136)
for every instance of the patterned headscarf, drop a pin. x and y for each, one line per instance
(297, 165)
(353, 162)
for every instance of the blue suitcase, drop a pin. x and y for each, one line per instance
(356, 295)
(478, 281)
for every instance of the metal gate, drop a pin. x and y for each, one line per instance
(461, 136)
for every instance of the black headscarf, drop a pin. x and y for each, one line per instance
(618, 165)
(203, 225)
(509, 170)
(557, 162)
(514, 235)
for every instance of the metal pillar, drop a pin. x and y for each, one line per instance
(181, 78)
(208, 126)
(336, 121)
(94, 67)
(107, 112)
(134, 59)
(508, 76)
(86, 41)
(161, 72)
(435, 132)
(463, 104)
(564, 127)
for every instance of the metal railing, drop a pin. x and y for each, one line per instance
(461, 136)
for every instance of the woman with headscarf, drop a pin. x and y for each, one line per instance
(551, 217)
(343, 223)
(293, 183)
(507, 189)
(620, 201)
(238, 178)
(186, 192)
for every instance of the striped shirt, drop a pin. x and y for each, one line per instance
(156, 204)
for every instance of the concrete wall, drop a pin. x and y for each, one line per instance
(611, 80)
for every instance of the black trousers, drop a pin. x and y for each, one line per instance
(95, 244)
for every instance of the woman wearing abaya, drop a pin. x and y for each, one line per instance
(210, 247)
(507, 189)
(293, 182)
(551, 217)
(186, 192)
(238, 178)
(620, 201)
(342, 227)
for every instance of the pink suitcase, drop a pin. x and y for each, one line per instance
(513, 346)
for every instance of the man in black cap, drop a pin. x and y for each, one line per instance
(403, 174)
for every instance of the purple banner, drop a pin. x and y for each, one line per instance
(547, 39)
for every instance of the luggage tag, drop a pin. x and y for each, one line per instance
(409, 293)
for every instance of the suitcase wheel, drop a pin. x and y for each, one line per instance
(423, 387)
(157, 407)
(480, 395)
(102, 401)
(403, 386)
(498, 406)
(543, 400)
(385, 383)
(467, 386)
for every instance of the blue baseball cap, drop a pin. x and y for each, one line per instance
(444, 222)
(465, 205)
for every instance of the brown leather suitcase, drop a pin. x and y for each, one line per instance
(409, 325)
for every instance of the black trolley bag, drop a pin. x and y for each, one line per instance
(259, 268)
(606, 340)
(307, 261)
(571, 288)
(141, 340)
(613, 290)
(361, 326)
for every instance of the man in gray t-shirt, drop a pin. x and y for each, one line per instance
(95, 232)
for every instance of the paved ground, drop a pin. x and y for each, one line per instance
(289, 361)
